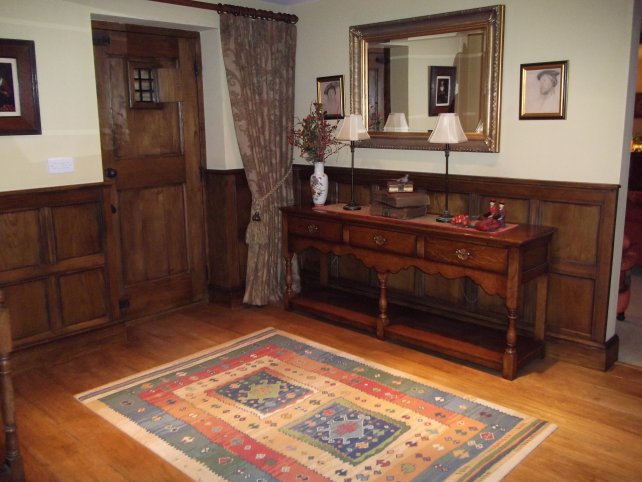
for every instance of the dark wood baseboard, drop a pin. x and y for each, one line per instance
(600, 356)
(65, 349)
(231, 298)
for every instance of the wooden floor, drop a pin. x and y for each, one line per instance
(599, 414)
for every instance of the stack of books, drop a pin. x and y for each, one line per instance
(399, 205)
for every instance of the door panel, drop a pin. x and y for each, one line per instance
(149, 103)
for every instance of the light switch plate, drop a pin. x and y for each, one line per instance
(59, 165)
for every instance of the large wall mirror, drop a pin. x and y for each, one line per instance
(405, 72)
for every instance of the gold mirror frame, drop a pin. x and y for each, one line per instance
(488, 19)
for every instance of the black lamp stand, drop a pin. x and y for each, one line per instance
(352, 206)
(445, 215)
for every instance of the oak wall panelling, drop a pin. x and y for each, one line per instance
(53, 262)
(228, 203)
(55, 255)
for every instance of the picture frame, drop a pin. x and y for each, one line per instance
(330, 94)
(542, 92)
(19, 107)
(441, 90)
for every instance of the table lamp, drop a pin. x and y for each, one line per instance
(447, 131)
(352, 130)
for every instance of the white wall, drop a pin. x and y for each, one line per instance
(61, 30)
(593, 35)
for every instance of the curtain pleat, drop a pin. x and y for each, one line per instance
(259, 58)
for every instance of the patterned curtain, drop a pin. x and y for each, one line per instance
(259, 58)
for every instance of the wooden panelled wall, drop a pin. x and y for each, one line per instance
(228, 202)
(54, 255)
(53, 262)
(584, 215)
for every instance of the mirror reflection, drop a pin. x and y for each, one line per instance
(401, 89)
(406, 72)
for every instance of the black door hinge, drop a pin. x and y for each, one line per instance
(197, 69)
(123, 303)
(203, 172)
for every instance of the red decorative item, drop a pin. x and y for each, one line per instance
(492, 220)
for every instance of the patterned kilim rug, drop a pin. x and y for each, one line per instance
(272, 406)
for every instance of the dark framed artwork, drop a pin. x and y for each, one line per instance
(19, 108)
(542, 91)
(441, 87)
(330, 94)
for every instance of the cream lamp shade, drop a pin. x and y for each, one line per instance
(352, 129)
(448, 130)
(396, 122)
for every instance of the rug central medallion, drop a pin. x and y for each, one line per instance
(347, 431)
(263, 391)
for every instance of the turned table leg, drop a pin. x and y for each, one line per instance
(382, 320)
(509, 365)
(12, 469)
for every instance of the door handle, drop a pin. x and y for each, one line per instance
(111, 173)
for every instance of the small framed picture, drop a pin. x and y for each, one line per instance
(441, 87)
(19, 108)
(330, 94)
(542, 92)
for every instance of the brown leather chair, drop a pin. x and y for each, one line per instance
(12, 469)
(629, 260)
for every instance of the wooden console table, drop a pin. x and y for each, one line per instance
(499, 262)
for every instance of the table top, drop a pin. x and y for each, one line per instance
(511, 234)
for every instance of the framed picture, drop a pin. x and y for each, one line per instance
(542, 92)
(330, 94)
(19, 109)
(441, 87)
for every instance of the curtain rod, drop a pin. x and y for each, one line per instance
(222, 8)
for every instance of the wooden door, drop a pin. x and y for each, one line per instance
(149, 98)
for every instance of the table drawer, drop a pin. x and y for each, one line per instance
(382, 240)
(463, 253)
(314, 228)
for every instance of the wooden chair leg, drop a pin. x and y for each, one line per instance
(12, 468)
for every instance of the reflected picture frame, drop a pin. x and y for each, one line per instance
(19, 106)
(441, 88)
(330, 94)
(542, 92)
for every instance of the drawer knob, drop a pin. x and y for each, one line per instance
(379, 240)
(462, 253)
(312, 228)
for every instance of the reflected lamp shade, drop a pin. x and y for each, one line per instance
(352, 129)
(396, 122)
(448, 130)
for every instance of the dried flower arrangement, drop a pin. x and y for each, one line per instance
(314, 136)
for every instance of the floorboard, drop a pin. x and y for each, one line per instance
(598, 413)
